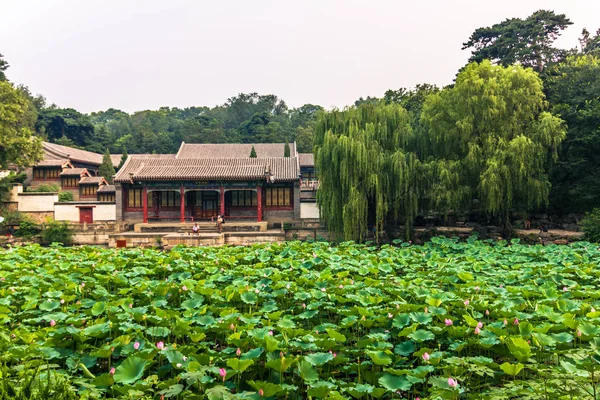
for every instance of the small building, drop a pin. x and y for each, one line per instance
(308, 187)
(202, 181)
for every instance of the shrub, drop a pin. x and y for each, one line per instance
(45, 188)
(65, 196)
(57, 232)
(27, 227)
(591, 225)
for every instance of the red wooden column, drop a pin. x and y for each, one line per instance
(222, 201)
(145, 203)
(182, 202)
(259, 201)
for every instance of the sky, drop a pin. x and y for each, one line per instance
(131, 55)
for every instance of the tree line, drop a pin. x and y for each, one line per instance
(424, 140)
(517, 132)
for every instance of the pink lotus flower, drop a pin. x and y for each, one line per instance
(452, 383)
(466, 302)
(160, 345)
(578, 332)
(223, 373)
(480, 325)
(565, 289)
(426, 356)
(448, 322)
(261, 392)
(487, 312)
(390, 315)
(136, 345)
(184, 288)
(52, 323)
(334, 355)
(505, 322)
(112, 371)
(477, 330)
(270, 333)
(516, 321)
(341, 286)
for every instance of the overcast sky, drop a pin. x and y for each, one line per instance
(133, 55)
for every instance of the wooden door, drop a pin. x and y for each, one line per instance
(86, 214)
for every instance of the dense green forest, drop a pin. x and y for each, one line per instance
(566, 86)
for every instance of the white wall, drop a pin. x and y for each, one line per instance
(70, 211)
(37, 202)
(309, 210)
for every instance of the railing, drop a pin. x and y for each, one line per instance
(310, 184)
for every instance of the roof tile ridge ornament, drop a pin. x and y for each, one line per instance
(132, 174)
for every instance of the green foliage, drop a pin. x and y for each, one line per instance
(286, 149)
(3, 66)
(591, 225)
(529, 330)
(107, 169)
(527, 42)
(65, 123)
(124, 157)
(573, 89)
(491, 140)
(65, 196)
(252, 153)
(45, 188)
(8, 182)
(17, 116)
(57, 232)
(27, 227)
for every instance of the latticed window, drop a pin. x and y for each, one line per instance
(169, 199)
(243, 198)
(134, 198)
(70, 181)
(106, 197)
(88, 190)
(46, 173)
(53, 173)
(278, 197)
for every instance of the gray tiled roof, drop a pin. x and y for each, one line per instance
(54, 151)
(53, 163)
(306, 159)
(106, 189)
(165, 169)
(92, 179)
(73, 171)
(233, 150)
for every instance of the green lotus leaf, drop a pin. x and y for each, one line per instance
(401, 320)
(158, 331)
(252, 354)
(130, 370)
(511, 369)
(519, 348)
(318, 359)
(281, 364)
(588, 329)
(269, 389)
(359, 390)
(249, 298)
(49, 305)
(239, 365)
(421, 318)
(405, 348)
(172, 391)
(379, 357)
(421, 335)
(96, 330)
(394, 383)
(307, 371)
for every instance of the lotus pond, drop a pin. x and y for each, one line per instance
(447, 320)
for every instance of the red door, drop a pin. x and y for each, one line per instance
(86, 215)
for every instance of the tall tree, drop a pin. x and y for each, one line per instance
(286, 149)
(107, 169)
(573, 90)
(528, 42)
(492, 141)
(590, 45)
(124, 157)
(252, 152)
(56, 123)
(3, 67)
(367, 172)
(18, 146)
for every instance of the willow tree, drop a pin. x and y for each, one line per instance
(367, 171)
(492, 140)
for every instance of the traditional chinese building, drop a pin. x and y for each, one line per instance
(202, 181)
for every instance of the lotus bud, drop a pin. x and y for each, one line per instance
(480, 325)
(466, 302)
(223, 373)
(62, 301)
(270, 333)
(578, 333)
(184, 288)
(323, 290)
(426, 356)
(452, 383)
(52, 323)
(448, 322)
(505, 322)
(238, 352)
(390, 315)
(160, 345)
(487, 312)
(477, 330)
(516, 321)
(136, 345)
(179, 365)
(112, 371)
(261, 393)
(184, 358)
